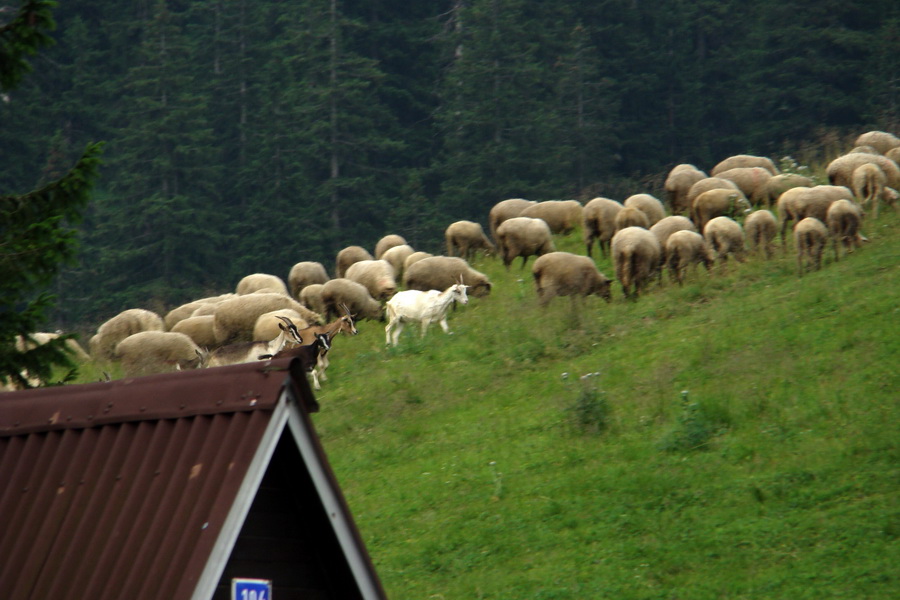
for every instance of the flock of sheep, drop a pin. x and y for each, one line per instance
(708, 218)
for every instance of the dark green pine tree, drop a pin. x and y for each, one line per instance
(158, 227)
(37, 232)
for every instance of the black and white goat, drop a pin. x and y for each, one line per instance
(308, 355)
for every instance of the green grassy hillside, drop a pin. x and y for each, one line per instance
(551, 453)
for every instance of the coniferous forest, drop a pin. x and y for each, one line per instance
(247, 136)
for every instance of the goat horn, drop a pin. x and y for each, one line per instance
(286, 320)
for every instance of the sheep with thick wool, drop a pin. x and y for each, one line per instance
(760, 230)
(261, 282)
(631, 216)
(126, 323)
(440, 272)
(685, 248)
(779, 184)
(566, 274)
(840, 170)
(752, 181)
(235, 318)
(345, 292)
(704, 185)
(844, 220)
(636, 257)
(599, 223)
(744, 160)
(523, 236)
(269, 325)
(678, 184)
(396, 257)
(349, 255)
(386, 243)
(666, 226)
(311, 297)
(725, 237)
(200, 329)
(647, 204)
(882, 141)
(561, 216)
(810, 237)
(869, 183)
(505, 210)
(376, 275)
(306, 273)
(798, 203)
(188, 309)
(150, 352)
(718, 203)
(465, 238)
(413, 259)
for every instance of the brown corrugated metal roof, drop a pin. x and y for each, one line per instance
(122, 489)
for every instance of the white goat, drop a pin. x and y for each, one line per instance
(244, 352)
(424, 307)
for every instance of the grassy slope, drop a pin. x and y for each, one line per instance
(468, 474)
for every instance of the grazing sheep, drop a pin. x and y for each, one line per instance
(505, 210)
(305, 273)
(566, 274)
(235, 318)
(149, 352)
(810, 236)
(397, 256)
(636, 256)
(355, 296)
(414, 258)
(869, 183)
(678, 184)
(311, 297)
(704, 185)
(799, 203)
(893, 154)
(268, 325)
(685, 248)
(261, 282)
(760, 229)
(440, 272)
(752, 181)
(779, 184)
(466, 237)
(745, 160)
(599, 223)
(423, 307)
(523, 236)
(562, 216)
(665, 227)
(376, 275)
(840, 170)
(844, 219)
(199, 329)
(631, 216)
(121, 326)
(725, 236)
(864, 150)
(882, 141)
(387, 242)
(348, 256)
(648, 205)
(187, 310)
(718, 203)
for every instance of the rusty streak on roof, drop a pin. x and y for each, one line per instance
(138, 488)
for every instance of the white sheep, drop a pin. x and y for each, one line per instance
(187, 309)
(678, 184)
(562, 216)
(636, 256)
(305, 273)
(268, 325)
(126, 323)
(349, 255)
(311, 297)
(844, 220)
(718, 203)
(599, 223)
(685, 248)
(760, 229)
(798, 203)
(465, 238)
(882, 141)
(781, 183)
(725, 236)
(869, 183)
(523, 236)
(567, 274)
(342, 291)
(840, 170)
(704, 185)
(648, 205)
(261, 282)
(810, 237)
(631, 216)
(235, 318)
(745, 160)
(199, 329)
(421, 307)
(666, 226)
(387, 242)
(397, 256)
(414, 258)
(150, 352)
(752, 181)
(505, 210)
(376, 275)
(440, 272)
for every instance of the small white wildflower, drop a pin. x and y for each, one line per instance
(565, 375)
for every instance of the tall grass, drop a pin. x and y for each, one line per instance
(552, 453)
